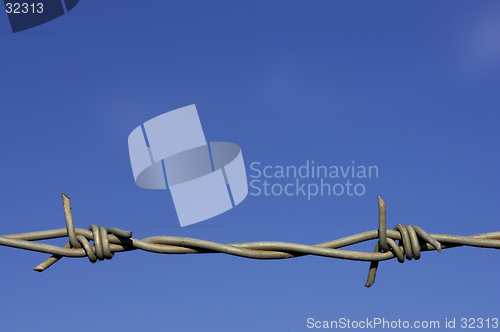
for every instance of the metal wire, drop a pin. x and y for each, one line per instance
(106, 241)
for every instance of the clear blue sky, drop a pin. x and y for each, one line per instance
(411, 87)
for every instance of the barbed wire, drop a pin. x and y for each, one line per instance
(412, 240)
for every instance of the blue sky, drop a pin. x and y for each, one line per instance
(411, 87)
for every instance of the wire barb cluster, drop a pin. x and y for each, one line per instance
(412, 240)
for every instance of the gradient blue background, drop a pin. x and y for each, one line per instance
(412, 87)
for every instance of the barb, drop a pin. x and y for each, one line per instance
(412, 240)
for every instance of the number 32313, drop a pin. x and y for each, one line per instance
(23, 8)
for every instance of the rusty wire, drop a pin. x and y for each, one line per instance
(411, 241)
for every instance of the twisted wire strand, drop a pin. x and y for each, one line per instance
(412, 240)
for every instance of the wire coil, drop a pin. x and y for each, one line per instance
(412, 240)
